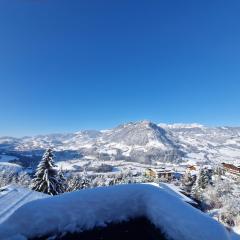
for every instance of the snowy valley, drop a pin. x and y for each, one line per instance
(141, 142)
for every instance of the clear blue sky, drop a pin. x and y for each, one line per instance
(70, 65)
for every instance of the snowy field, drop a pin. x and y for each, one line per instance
(118, 166)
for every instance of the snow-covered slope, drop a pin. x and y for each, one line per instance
(85, 209)
(200, 143)
(142, 141)
(143, 133)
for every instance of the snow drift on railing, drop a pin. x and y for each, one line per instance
(86, 209)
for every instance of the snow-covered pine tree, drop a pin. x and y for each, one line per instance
(73, 183)
(24, 179)
(204, 178)
(188, 181)
(46, 177)
(62, 180)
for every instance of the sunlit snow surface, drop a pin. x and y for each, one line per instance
(12, 197)
(85, 209)
(7, 166)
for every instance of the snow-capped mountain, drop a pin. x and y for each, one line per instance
(142, 141)
(205, 143)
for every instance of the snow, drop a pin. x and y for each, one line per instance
(69, 165)
(172, 189)
(225, 152)
(237, 230)
(198, 156)
(12, 197)
(6, 158)
(6, 166)
(10, 167)
(181, 125)
(85, 209)
(234, 235)
(156, 144)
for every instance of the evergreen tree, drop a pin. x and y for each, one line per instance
(188, 181)
(24, 179)
(73, 183)
(46, 177)
(204, 179)
(62, 180)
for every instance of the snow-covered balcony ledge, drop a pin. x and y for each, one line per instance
(86, 209)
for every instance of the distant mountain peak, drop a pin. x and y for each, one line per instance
(139, 133)
(143, 123)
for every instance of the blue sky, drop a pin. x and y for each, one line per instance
(71, 65)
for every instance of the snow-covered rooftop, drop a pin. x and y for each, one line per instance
(86, 209)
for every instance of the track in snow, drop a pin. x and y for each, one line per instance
(15, 198)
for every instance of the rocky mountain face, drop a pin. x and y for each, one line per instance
(143, 142)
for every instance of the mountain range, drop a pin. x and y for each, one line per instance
(143, 142)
